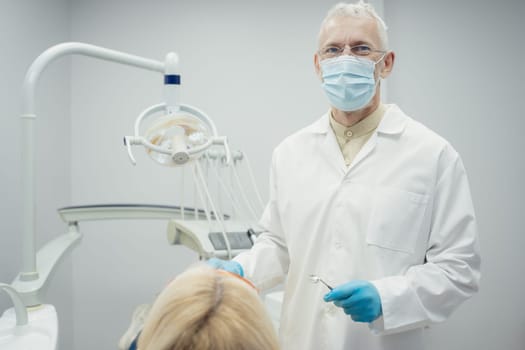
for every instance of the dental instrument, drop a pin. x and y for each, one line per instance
(213, 236)
(316, 279)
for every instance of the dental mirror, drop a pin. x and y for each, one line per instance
(317, 279)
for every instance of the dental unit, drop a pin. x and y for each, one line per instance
(180, 136)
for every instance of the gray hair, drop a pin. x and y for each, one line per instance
(359, 9)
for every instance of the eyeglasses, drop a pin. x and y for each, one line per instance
(356, 50)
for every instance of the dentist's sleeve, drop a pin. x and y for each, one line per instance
(266, 264)
(430, 292)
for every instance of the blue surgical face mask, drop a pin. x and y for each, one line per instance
(348, 82)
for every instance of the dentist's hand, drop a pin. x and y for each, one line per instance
(359, 299)
(230, 266)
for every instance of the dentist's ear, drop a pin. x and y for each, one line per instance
(388, 64)
(317, 66)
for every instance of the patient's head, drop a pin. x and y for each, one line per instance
(204, 308)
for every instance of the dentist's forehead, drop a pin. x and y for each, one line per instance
(351, 30)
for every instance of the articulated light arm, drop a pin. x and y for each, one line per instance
(64, 49)
(29, 270)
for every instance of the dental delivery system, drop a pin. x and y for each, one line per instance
(181, 136)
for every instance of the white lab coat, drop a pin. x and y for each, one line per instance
(400, 216)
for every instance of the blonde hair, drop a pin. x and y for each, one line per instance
(204, 308)
(359, 9)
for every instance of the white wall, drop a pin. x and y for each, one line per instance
(26, 29)
(459, 71)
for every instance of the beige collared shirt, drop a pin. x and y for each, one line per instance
(352, 138)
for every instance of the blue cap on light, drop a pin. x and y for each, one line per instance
(172, 79)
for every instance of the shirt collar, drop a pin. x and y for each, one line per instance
(393, 122)
(363, 127)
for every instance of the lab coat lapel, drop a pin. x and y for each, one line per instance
(333, 152)
(393, 123)
(367, 148)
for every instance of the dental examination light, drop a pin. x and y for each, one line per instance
(177, 137)
(181, 133)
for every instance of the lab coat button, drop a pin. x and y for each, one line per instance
(349, 133)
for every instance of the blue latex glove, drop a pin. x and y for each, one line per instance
(230, 266)
(359, 299)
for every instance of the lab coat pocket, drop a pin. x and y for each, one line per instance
(396, 219)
